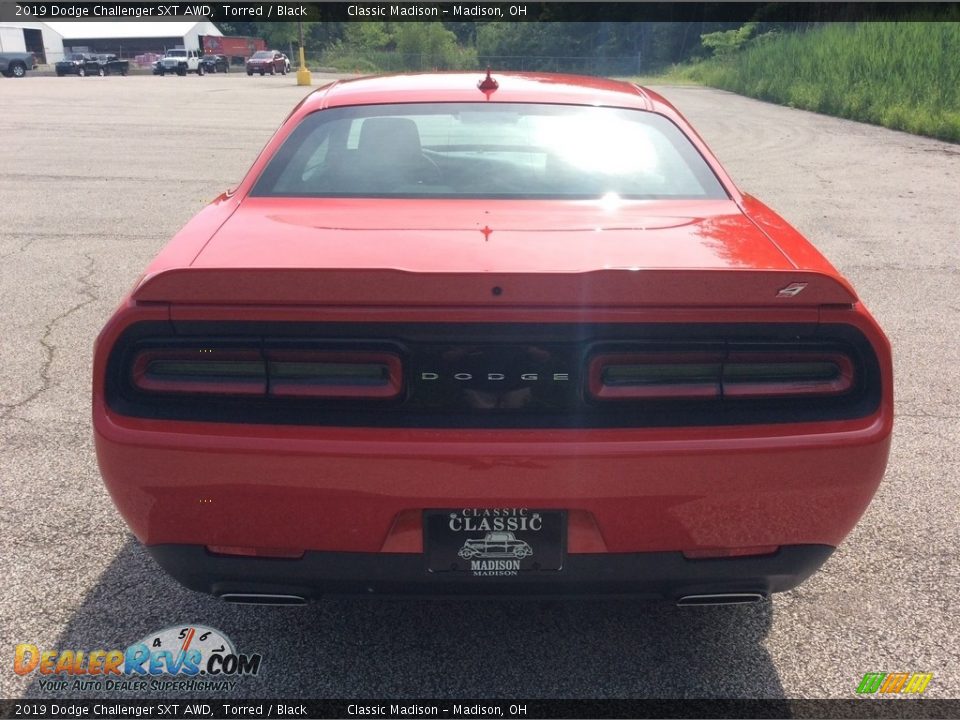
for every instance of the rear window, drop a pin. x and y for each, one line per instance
(473, 150)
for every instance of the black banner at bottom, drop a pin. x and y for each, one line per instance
(110, 709)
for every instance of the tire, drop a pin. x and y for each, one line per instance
(81, 72)
(182, 70)
(262, 73)
(226, 68)
(123, 73)
(18, 70)
(273, 70)
(162, 72)
(250, 73)
(101, 72)
(200, 70)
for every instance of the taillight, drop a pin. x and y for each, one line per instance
(703, 375)
(268, 373)
(206, 371)
(635, 376)
(321, 374)
(755, 374)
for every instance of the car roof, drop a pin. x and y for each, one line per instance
(462, 87)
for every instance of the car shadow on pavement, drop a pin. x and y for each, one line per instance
(441, 648)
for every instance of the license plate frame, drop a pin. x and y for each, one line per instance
(495, 542)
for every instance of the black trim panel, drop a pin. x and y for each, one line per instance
(550, 351)
(659, 575)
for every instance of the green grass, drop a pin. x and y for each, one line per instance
(902, 75)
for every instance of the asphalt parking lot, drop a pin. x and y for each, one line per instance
(97, 173)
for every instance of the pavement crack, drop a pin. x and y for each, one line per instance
(21, 249)
(88, 295)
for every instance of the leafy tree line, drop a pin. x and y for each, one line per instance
(616, 46)
(646, 47)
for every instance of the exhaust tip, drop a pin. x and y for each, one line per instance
(263, 599)
(721, 599)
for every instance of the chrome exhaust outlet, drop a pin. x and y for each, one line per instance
(263, 599)
(721, 599)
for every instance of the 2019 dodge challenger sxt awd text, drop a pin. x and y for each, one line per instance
(446, 308)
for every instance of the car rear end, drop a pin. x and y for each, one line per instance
(267, 452)
(652, 397)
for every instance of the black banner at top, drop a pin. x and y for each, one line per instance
(405, 10)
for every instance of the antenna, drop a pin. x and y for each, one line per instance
(488, 84)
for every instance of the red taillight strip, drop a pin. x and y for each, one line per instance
(206, 371)
(703, 375)
(334, 374)
(701, 379)
(738, 367)
(273, 372)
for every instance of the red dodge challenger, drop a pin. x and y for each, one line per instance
(446, 308)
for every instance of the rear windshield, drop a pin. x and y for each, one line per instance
(473, 150)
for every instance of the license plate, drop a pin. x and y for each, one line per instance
(486, 542)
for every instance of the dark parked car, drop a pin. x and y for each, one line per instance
(215, 63)
(267, 61)
(82, 64)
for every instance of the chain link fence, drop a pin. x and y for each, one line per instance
(381, 61)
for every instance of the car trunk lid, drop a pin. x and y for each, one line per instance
(480, 252)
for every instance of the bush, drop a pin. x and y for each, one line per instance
(903, 75)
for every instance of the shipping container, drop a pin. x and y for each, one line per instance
(237, 48)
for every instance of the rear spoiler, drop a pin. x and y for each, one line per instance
(597, 288)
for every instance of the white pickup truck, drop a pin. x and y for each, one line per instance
(180, 61)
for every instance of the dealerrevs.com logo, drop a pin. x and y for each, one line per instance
(180, 657)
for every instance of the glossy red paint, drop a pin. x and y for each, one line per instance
(303, 488)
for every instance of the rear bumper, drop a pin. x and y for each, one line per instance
(364, 490)
(664, 575)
